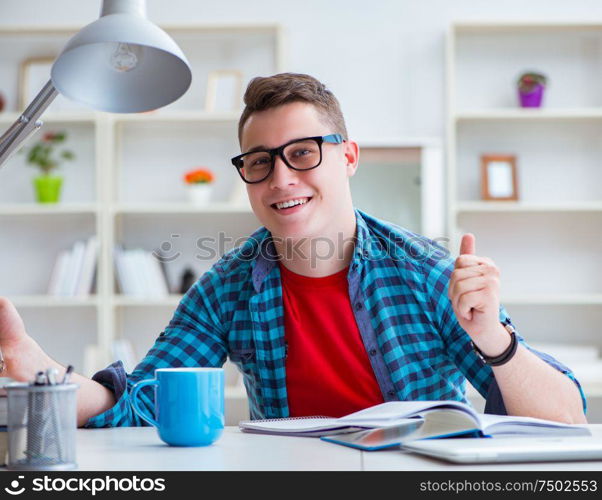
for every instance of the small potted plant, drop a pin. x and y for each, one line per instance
(47, 156)
(199, 184)
(531, 86)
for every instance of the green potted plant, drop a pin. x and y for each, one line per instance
(531, 86)
(47, 155)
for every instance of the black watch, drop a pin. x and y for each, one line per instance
(503, 358)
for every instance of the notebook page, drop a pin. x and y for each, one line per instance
(292, 424)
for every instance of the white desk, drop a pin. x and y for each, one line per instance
(139, 448)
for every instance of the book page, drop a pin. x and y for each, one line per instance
(394, 410)
(504, 424)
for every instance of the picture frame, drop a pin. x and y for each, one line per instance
(34, 73)
(224, 90)
(499, 180)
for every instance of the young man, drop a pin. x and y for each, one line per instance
(327, 310)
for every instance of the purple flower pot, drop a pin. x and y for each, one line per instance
(531, 99)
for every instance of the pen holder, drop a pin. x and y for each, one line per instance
(42, 422)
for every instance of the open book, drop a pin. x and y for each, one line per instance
(414, 420)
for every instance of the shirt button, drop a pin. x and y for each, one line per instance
(391, 393)
(358, 305)
(366, 253)
(372, 352)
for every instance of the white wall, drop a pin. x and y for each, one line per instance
(383, 59)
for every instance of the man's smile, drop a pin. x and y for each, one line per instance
(290, 205)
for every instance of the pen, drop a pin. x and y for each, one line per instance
(67, 374)
(51, 374)
(54, 417)
(40, 379)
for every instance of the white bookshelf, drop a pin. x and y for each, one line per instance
(160, 116)
(529, 114)
(126, 301)
(180, 208)
(525, 207)
(546, 244)
(37, 209)
(44, 301)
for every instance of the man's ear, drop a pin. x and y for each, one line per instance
(352, 156)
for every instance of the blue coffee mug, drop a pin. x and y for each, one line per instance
(189, 405)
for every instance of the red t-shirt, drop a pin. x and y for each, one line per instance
(328, 371)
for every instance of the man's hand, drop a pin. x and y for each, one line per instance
(529, 386)
(23, 357)
(12, 328)
(474, 290)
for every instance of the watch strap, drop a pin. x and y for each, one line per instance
(504, 357)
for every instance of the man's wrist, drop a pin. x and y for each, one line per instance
(494, 342)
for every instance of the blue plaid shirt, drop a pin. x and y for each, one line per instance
(398, 285)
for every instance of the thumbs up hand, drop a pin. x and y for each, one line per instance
(467, 246)
(474, 290)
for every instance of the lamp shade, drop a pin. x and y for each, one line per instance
(122, 63)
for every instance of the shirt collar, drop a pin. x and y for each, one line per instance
(266, 251)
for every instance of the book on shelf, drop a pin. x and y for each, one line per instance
(123, 281)
(59, 273)
(158, 278)
(85, 281)
(135, 266)
(74, 270)
(417, 419)
(139, 273)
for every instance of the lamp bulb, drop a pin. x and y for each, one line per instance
(124, 58)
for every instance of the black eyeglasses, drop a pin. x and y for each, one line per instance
(300, 154)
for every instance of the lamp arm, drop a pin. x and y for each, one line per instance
(27, 123)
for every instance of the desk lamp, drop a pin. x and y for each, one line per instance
(121, 63)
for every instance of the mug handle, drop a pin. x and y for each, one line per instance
(136, 404)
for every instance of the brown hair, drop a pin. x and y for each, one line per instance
(272, 91)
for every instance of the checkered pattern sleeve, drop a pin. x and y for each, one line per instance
(459, 347)
(194, 337)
